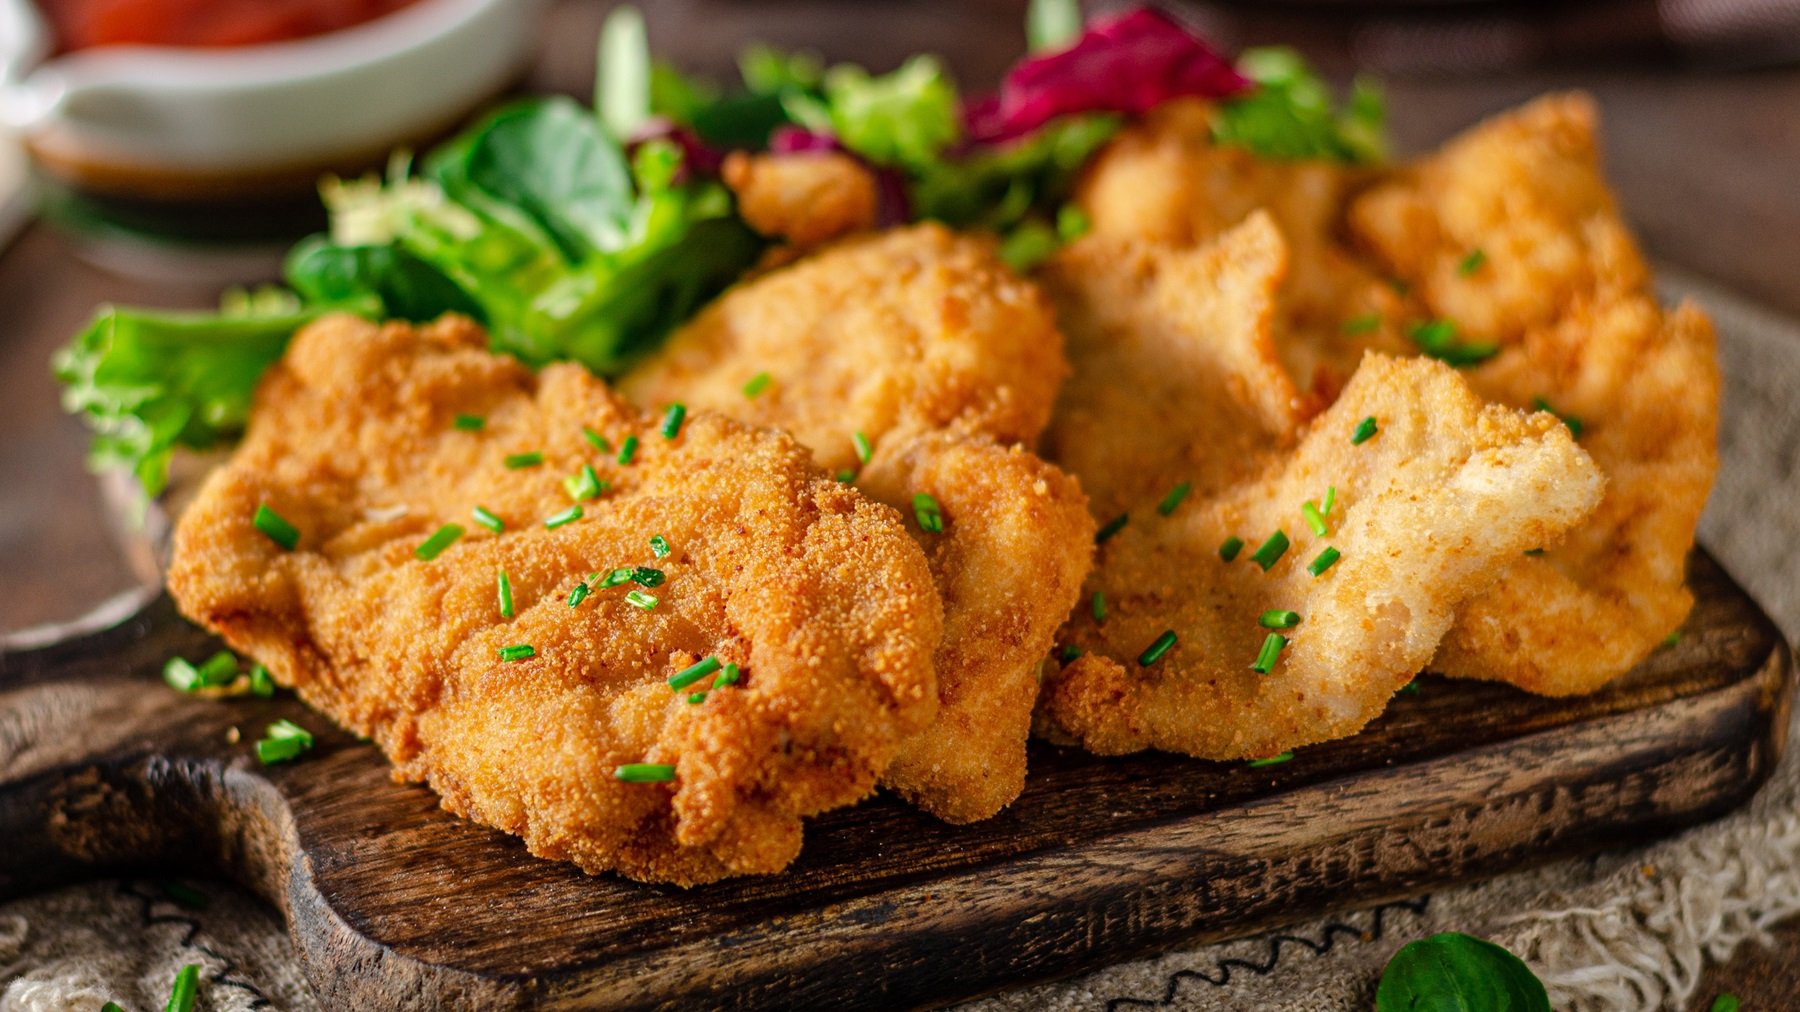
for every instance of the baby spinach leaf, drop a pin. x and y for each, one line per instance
(406, 286)
(1452, 972)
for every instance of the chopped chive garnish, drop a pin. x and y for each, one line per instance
(927, 512)
(1323, 561)
(1155, 651)
(1571, 421)
(515, 461)
(1672, 639)
(696, 697)
(1276, 618)
(694, 672)
(289, 729)
(518, 652)
(1437, 339)
(1330, 500)
(671, 425)
(1113, 526)
(503, 588)
(659, 546)
(758, 383)
(1070, 652)
(641, 599)
(596, 440)
(644, 576)
(111, 1006)
(487, 519)
(1230, 547)
(434, 546)
(1362, 324)
(278, 529)
(728, 677)
(285, 741)
(1099, 606)
(1314, 519)
(568, 516)
(470, 423)
(614, 578)
(845, 477)
(1173, 499)
(1410, 688)
(1365, 431)
(578, 595)
(219, 669)
(1274, 760)
(1271, 551)
(1534, 552)
(181, 675)
(645, 773)
(863, 450)
(1271, 649)
(584, 484)
(628, 449)
(1471, 263)
(261, 684)
(186, 989)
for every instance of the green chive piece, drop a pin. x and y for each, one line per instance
(1534, 552)
(1274, 760)
(1173, 499)
(434, 546)
(584, 484)
(518, 652)
(628, 449)
(111, 1006)
(1323, 561)
(1361, 324)
(1726, 1002)
(1410, 688)
(278, 529)
(1276, 618)
(578, 595)
(644, 576)
(596, 440)
(1099, 607)
(219, 669)
(671, 425)
(696, 697)
(694, 672)
(927, 512)
(1365, 431)
(486, 518)
(1314, 519)
(186, 989)
(1229, 549)
(181, 676)
(659, 546)
(1673, 638)
(184, 895)
(1330, 500)
(1070, 652)
(642, 600)
(616, 577)
(1271, 649)
(1438, 339)
(728, 677)
(845, 477)
(1155, 650)
(863, 450)
(1571, 421)
(645, 773)
(568, 516)
(1271, 551)
(1112, 527)
(1072, 223)
(261, 684)
(470, 423)
(284, 742)
(515, 461)
(1471, 263)
(503, 587)
(758, 383)
(283, 729)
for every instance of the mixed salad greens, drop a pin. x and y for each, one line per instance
(589, 234)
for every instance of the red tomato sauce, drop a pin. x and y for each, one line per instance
(85, 24)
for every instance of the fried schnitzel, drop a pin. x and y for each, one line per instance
(707, 539)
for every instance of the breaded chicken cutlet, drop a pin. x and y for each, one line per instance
(910, 360)
(520, 707)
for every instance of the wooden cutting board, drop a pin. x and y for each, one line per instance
(394, 904)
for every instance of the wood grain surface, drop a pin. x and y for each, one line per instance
(395, 904)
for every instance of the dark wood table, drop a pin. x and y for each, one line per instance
(1707, 165)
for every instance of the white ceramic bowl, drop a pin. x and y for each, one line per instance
(153, 121)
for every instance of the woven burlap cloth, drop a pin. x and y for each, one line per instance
(1625, 930)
